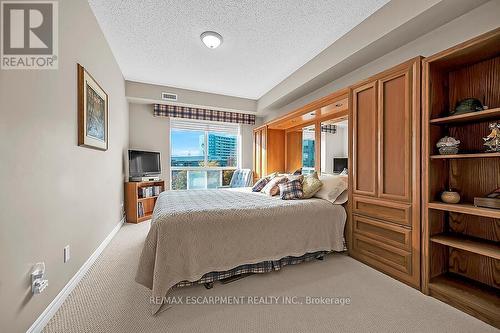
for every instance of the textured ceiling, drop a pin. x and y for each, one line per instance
(158, 42)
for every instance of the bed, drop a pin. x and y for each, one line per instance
(196, 232)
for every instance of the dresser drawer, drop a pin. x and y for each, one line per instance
(385, 210)
(382, 256)
(386, 233)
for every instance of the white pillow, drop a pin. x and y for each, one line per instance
(333, 187)
(342, 198)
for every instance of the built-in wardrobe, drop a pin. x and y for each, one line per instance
(385, 172)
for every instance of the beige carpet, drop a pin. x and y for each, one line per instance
(108, 300)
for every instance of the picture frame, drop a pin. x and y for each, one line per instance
(93, 114)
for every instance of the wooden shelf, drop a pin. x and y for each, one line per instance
(465, 208)
(142, 199)
(470, 244)
(145, 217)
(469, 296)
(468, 117)
(475, 155)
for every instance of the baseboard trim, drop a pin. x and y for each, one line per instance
(56, 303)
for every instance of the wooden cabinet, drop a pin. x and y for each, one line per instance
(268, 151)
(385, 169)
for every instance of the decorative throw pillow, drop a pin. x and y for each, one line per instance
(295, 177)
(291, 190)
(272, 188)
(310, 185)
(297, 172)
(259, 185)
(333, 186)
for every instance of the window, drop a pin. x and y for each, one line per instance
(203, 154)
(308, 149)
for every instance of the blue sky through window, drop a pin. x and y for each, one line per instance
(186, 143)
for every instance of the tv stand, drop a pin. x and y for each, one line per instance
(138, 207)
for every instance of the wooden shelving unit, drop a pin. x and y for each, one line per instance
(461, 242)
(137, 208)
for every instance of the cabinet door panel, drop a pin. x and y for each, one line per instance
(395, 139)
(364, 139)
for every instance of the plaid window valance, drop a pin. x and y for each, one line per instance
(329, 129)
(202, 114)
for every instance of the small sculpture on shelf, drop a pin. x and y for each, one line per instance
(450, 196)
(448, 145)
(468, 105)
(492, 141)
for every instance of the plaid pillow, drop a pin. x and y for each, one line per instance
(259, 185)
(291, 190)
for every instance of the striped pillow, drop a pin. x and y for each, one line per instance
(291, 190)
(259, 185)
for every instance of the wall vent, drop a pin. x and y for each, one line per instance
(166, 96)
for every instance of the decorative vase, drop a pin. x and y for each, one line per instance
(451, 197)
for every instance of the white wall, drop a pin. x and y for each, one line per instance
(147, 132)
(55, 193)
(333, 145)
(474, 23)
(150, 133)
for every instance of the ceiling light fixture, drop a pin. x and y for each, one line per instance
(211, 39)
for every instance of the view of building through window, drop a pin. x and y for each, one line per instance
(202, 159)
(308, 146)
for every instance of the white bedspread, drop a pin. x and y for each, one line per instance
(200, 231)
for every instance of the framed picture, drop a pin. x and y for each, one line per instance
(92, 112)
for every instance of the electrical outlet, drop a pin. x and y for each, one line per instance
(67, 254)
(38, 281)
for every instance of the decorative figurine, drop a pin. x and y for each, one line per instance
(492, 141)
(468, 105)
(451, 197)
(448, 145)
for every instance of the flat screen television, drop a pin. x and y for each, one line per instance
(339, 164)
(143, 163)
